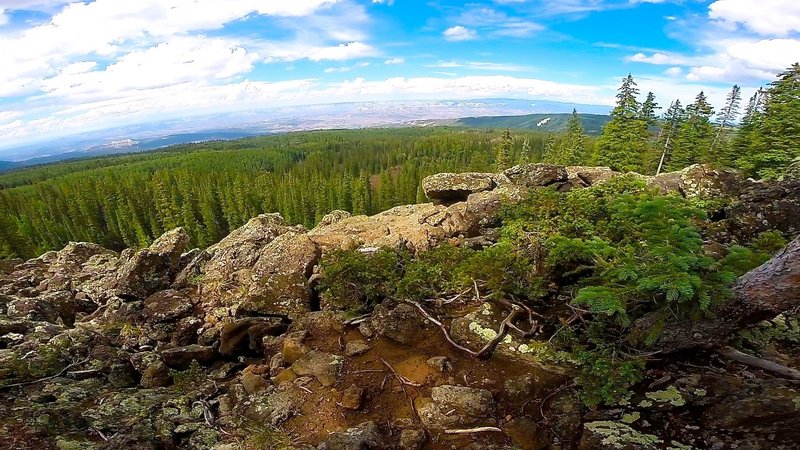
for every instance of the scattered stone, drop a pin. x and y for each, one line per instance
(245, 336)
(440, 363)
(412, 439)
(166, 306)
(322, 366)
(293, 348)
(457, 407)
(357, 347)
(252, 379)
(526, 434)
(365, 436)
(152, 269)
(352, 397)
(400, 322)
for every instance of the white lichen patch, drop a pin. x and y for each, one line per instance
(669, 395)
(631, 417)
(645, 404)
(487, 309)
(619, 435)
(485, 333)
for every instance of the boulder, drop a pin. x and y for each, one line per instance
(154, 373)
(456, 187)
(399, 322)
(181, 357)
(166, 306)
(701, 181)
(151, 269)
(536, 175)
(591, 176)
(322, 366)
(365, 436)
(280, 278)
(245, 336)
(457, 407)
(412, 439)
(764, 207)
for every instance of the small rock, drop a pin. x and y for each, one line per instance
(293, 349)
(365, 436)
(253, 382)
(357, 347)
(352, 397)
(440, 363)
(457, 406)
(181, 357)
(412, 439)
(166, 306)
(322, 366)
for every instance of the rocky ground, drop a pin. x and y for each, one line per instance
(233, 347)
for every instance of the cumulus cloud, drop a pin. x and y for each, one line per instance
(765, 17)
(395, 61)
(459, 33)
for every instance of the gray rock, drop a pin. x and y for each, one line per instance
(412, 439)
(166, 306)
(151, 269)
(181, 357)
(456, 187)
(357, 347)
(366, 436)
(536, 175)
(457, 406)
(322, 366)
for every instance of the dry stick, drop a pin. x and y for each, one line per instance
(472, 430)
(63, 371)
(744, 358)
(551, 395)
(403, 381)
(443, 328)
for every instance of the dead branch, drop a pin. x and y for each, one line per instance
(403, 382)
(473, 430)
(62, 372)
(443, 328)
(753, 361)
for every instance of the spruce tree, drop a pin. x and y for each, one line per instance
(623, 141)
(571, 149)
(720, 148)
(695, 134)
(777, 147)
(749, 133)
(648, 111)
(503, 151)
(671, 122)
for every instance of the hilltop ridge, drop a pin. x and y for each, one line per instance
(283, 337)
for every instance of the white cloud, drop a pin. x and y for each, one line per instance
(674, 71)
(765, 17)
(3, 17)
(459, 33)
(480, 65)
(395, 61)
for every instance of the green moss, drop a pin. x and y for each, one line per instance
(619, 436)
(796, 403)
(189, 379)
(670, 395)
(645, 404)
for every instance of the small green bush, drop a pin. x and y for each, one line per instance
(189, 379)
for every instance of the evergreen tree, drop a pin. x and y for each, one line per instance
(720, 150)
(777, 146)
(571, 149)
(749, 133)
(695, 134)
(504, 149)
(671, 122)
(648, 111)
(623, 141)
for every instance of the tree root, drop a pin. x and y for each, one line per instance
(473, 430)
(753, 361)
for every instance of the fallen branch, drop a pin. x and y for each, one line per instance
(403, 382)
(744, 358)
(62, 372)
(473, 430)
(443, 328)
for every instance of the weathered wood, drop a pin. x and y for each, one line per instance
(761, 294)
(750, 360)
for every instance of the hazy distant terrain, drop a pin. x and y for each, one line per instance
(592, 123)
(226, 126)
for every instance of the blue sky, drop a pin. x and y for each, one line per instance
(71, 67)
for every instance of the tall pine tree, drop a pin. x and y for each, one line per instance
(571, 149)
(624, 139)
(720, 147)
(695, 134)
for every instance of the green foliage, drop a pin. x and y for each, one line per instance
(188, 380)
(694, 136)
(606, 379)
(503, 149)
(571, 149)
(47, 360)
(262, 436)
(360, 280)
(213, 188)
(624, 140)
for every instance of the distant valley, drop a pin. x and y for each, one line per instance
(541, 115)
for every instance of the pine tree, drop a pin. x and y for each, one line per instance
(504, 148)
(777, 147)
(671, 122)
(571, 149)
(749, 133)
(693, 141)
(720, 150)
(648, 111)
(622, 144)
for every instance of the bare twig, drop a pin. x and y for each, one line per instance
(443, 328)
(473, 430)
(403, 382)
(357, 320)
(551, 395)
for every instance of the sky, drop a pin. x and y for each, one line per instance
(70, 67)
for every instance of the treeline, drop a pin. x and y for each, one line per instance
(213, 188)
(763, 142)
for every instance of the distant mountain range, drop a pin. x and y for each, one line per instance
(494, 113)
(592, 123)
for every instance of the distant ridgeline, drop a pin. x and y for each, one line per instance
(213, 188)
(592, 123)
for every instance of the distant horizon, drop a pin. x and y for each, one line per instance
(193, 124)
(100, 64)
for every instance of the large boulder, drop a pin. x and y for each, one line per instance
(456, 187)
(457, 407)
(280, 278)
(152, 269)
(764, 207)
(166, 306)
(701, 181)
(536, 175)
(590, 175)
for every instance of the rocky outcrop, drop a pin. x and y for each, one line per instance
(456, 187)
(152, 269)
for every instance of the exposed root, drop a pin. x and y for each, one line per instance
(473, 430)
